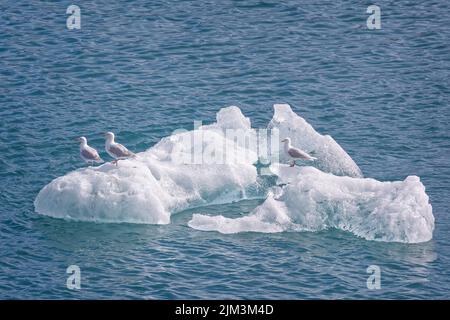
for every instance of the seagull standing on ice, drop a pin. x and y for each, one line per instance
(88, 153)
(116, 150)
(295, 153)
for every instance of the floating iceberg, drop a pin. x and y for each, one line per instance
(217, 163)
(312, 200)
(185, 170)
(212, 164)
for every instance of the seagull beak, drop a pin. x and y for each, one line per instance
(283, 140)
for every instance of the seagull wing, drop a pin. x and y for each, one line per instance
(120, 151)
(90, 154)
(300, 154)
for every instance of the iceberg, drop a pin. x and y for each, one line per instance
(311, 200)
(218, 163)
(185, 170)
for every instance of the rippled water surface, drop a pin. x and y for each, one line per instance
(145, 68)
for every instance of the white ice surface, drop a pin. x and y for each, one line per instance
(185, 170)
(312, 200)
(330, 155)
(205, 166)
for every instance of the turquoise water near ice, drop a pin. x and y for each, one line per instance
(145, 68)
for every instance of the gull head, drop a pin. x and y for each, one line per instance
(109, 136)
(287, 140)
(82, 140)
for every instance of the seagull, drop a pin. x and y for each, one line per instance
(295, 153)
(88, 153)
(116, 150)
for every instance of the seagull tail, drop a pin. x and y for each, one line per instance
(313, 158)
(134, 156)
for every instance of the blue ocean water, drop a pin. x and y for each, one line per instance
(145, 68)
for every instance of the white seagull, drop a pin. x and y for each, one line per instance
(116, 150)
(88, 153)
(295, 153)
